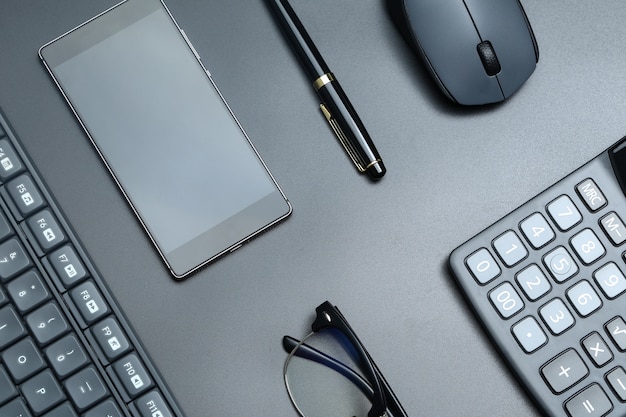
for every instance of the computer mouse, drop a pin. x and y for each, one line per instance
(478, 51)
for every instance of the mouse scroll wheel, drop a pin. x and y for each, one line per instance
(489, 58)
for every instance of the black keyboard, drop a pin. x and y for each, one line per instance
(66, 348)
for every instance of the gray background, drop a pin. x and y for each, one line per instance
(377, 250)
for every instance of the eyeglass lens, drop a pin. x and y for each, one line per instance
(318, 390)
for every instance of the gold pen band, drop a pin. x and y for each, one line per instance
(323, 80)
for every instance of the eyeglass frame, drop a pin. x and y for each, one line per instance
(374, 384)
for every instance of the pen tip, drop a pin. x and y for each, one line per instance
(376, 170)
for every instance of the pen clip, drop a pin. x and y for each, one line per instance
(352, 153)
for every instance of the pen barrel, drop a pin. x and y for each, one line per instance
(300, 41)
(340, 108)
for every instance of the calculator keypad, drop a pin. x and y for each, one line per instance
(548, 282)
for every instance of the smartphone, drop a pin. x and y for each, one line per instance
(164, 131)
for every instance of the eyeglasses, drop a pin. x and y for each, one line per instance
(320, 377)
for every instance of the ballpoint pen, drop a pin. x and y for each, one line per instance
(335, 106)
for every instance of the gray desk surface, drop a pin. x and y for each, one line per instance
(378, 251)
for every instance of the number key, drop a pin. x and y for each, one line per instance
(584, 298)
(560, 264)
(482, 266)
(510, 248)
(506, 300)
(587, 246)
(537, 230)
(556, 316)
(533, 282)
(611, 280)
(564, 213)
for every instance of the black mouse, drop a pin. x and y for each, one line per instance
(478, 51)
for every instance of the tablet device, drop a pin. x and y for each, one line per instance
(166, 134)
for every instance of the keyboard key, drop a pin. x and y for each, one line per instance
(89, 302)
(86, 388)
(584, 298)
(11, 327)
(591, 195)
(482, 266)
(564, 213)
(107, 408)
(614, 228)
(133, 375)
(47, 323)
(10, 163)
(65, 410)
(610, 280)
(560, 264)
(529, 335)
(46, 229)
(5, 228)
(42, 392)
(17, 408)
(152, 404)
(506, 300)
(537, 230)
(617, 380)
(23, 360)
(597, 350)
(110, 338)
(13, 259)
(67, 265)
(27, 291)
(66, 355)
(616, 329)
(587, 246)
(7, 388)
(510, 248)
(556, 316)
(533, 282)
(591, 402)
(564, 371)
(25, 195)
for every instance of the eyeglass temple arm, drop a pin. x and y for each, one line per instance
(308, 352)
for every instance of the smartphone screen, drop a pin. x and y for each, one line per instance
(165, 133)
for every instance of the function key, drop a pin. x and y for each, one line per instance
(46, 229)
(67, 265)
(611, 280)
(591, 195)
(110, 338)
(89, 302)
(614, 228)
(25, 195)
(616, 329)
(587, 246)
(617, 380)
(537, 230)
(10, 163)
(597, 350)
(560, 264)
(564, 213)
(564, 371)
(590, 402)
(151, 405)
(133, 375)
(482, 266)
(510, 248)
